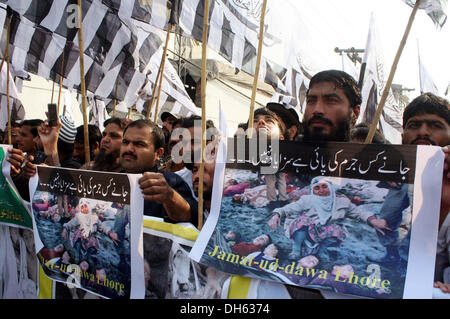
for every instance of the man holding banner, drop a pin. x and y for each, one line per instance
(166, 195)
(426, 121)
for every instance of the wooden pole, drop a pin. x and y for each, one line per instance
(373, 126)
(161, 77)
(8, 28)
(258, 62)
(155, 87)
(203, 98)
(83, 84)
(60, 81)
(53, 91)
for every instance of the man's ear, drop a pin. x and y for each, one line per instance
(356, 110)
(159, 153)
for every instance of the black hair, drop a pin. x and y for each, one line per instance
(190, 122)
(34, 123)
(361, 130)
(120, 122)
(157, 132)
(94, 134)
(427, 103)
(342, 81)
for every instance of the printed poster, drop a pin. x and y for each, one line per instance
(13, 211)
(85, 233)
(352, 219)
(169, 272)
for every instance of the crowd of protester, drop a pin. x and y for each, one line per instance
(170, 187)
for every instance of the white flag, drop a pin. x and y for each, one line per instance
(17, 112)
(434, 8)
(426, 82)
(372, 84)
(349, 67)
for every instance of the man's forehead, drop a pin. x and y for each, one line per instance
(325, 87)
(266, 117)
(135, 133)
(112, 127)
(427, 116)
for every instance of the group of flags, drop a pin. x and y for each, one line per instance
(123, 48)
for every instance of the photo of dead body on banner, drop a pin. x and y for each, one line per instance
(336, 217)
(169, 272)
(84, 229)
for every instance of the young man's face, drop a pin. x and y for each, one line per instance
(112, 139)
(167, 125)
(208, 179)
(15, 131)
(328, 113)
(78, 152)
(426, 129)
(268, 124)
(25, 140)
(137, 153)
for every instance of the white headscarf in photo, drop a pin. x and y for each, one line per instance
(324, 205)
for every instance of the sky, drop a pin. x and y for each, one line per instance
(345, 24)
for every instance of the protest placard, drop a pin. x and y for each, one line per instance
(170, 273)
(13, 210)
(84, 232)
(349, 218)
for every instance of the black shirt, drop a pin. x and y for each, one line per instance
(180, 186)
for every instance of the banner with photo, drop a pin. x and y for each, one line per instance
(354, 219)
(84, 233)
(13, 211)
(169, 272)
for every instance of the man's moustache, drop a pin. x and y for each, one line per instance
(129, 154)
(319, 118)
(423, 139)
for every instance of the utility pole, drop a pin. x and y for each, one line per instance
(352, 53)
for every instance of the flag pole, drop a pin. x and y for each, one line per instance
(373, 126)
(60, 81)
(203, 99)
(83, 83)
(161, 71)
(155, 87)
(7, 79)
(8, 26)
(258, 62)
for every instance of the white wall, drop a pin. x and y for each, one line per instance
(37, 93)
(235, 106)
